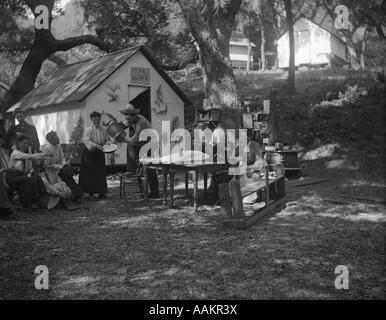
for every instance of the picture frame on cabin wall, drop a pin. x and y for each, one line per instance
(140, 76)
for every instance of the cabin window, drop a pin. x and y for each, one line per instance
(302, 38)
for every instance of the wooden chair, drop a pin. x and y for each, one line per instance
(124, 177)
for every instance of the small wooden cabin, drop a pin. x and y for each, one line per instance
(106, 83)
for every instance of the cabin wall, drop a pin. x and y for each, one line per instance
(61, 119)
(312, 45)
(239, 53)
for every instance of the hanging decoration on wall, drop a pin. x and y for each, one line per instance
(161, 107)
(113, 92)
(175, 124)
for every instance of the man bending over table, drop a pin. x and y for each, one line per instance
(136, 123)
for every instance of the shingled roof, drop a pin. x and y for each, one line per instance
(74, 82)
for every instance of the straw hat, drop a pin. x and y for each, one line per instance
(129, 109)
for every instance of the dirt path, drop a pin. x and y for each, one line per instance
(129, 249)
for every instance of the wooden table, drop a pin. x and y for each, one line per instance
(170, 169)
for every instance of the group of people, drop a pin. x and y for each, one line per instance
(40, 175)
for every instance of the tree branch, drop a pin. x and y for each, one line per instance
(72, 42)
(16, 49)
(57, 60)
(179, 66)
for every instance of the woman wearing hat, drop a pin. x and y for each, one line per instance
(136, 123)
(92, 177)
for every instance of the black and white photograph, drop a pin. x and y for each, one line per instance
(192, 154)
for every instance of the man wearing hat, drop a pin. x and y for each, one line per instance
(23, 127)
(136, 123)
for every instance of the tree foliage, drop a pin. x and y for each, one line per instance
(158, 24)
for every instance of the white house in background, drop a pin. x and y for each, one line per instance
(106, 83)
(317, 42)
(239, 49)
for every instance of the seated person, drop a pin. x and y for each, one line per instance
(6, 208)
(19, 176)
(22, 128)
(255, 165)
(58, 176)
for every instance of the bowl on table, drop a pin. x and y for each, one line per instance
(109, 148)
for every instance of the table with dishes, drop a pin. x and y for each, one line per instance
(195, 165)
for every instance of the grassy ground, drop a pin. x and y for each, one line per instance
(131, 249)
(117, 249)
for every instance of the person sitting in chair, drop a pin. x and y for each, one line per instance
(22, 128)
(56, 168)
(136, 123)
(255, 165)
(19, 176)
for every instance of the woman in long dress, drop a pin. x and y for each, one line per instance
(92, 177)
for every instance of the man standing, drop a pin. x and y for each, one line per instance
(136, 123)
(23, 127)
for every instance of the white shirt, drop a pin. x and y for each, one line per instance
(94, 137)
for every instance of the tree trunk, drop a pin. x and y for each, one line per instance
(291, 69)
(380, 32)
(26, 78)
(220, 84)
(262, 47)
(272, 121)
(43, 47)
(363, 50)
(249, 55)
(211, 25)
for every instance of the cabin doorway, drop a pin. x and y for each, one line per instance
(141, 99)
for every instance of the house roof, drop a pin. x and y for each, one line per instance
(74, 82)
(241, 41)
(321, 18)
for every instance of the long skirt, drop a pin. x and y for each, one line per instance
(92, 177)
(30, 189)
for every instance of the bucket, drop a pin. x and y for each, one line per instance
(275, 158)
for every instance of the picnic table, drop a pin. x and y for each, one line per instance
(169, 170)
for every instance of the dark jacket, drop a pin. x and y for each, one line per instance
(10, 136)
